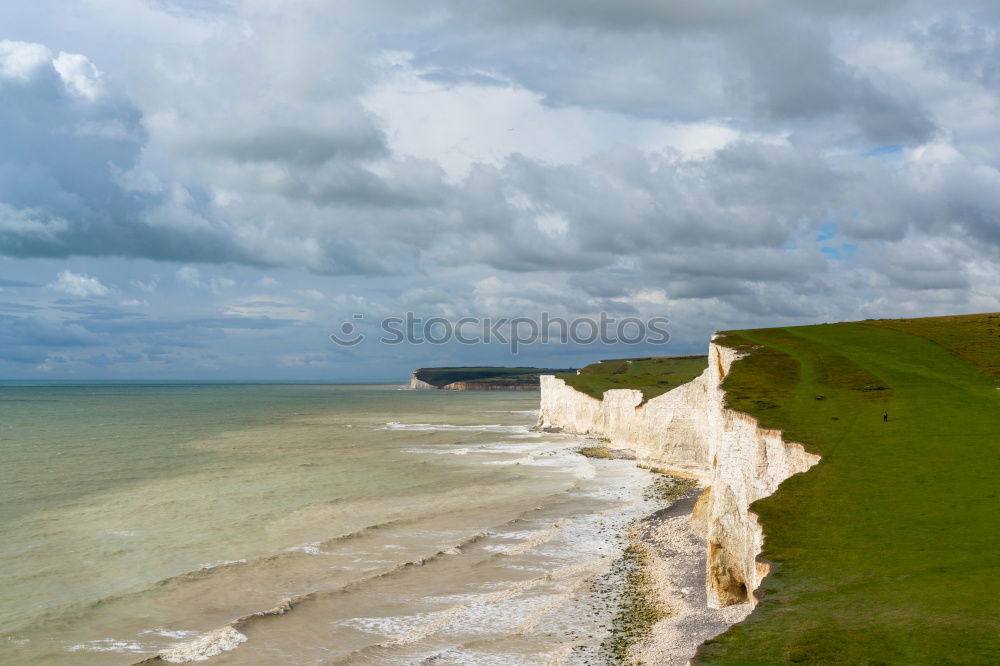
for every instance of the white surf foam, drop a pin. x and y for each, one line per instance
(446, 427)
(439, 451)
(169, 633)
(208, 645)
(308, 548)
(109, 645)
(221, 563)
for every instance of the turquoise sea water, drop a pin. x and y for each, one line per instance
(144, 519)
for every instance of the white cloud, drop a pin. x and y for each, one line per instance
(189, 275)
(79, 74)
(462, 124)
(20, 60)
(30, 222)
(78, 284)
(269, 307)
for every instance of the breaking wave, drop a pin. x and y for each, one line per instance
(448, 427)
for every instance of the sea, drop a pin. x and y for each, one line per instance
(302, 524)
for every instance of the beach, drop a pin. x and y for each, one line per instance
(678, 569)
(255, 524)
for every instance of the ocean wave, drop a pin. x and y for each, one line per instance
(170, 633)
(220, 563)
(526, 460)
(108, 645)
(470, 610)
(215, 567)
(469, 656)
(229, 636)
(507, 610)
(548, 457)
(308, 549)
(530, 539)
(439, 451)
(208, 645)
(208, 570)
(448, 427)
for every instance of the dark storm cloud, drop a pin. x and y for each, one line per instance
(676, 15)
(726, 163)
(299, 146)
(67, 185)
(795, 76)
(630, 203)
(366, 220)
(18, 332)
(763, 61)
(967, 45)
(60, 193)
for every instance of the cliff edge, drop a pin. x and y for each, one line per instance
(480, 378)
(690, 431)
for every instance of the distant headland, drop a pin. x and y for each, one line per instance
(482, 378)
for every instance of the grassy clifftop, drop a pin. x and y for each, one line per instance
(500, 376)
(887, 551)
(651, 375)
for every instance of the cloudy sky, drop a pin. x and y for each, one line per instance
(209, 188)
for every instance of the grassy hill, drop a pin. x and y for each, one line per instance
(887, 552)
(651, 375)
(496, 375)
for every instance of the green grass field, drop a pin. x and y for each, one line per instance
(652, 375)
(888, 551)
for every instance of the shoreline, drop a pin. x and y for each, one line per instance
(704, 548)
(678, 567)
(673, 554)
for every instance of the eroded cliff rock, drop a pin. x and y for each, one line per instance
(690, 431)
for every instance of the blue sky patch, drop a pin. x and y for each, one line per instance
(842, 253)
(891, 149)
(827, 230)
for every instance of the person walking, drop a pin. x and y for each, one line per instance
(885, 416)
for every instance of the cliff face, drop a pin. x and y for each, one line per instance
(489, 386)
(473, 385)
(420, 384)
(689, 430)
(668, 431)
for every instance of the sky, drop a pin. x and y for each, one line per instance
(207, 189)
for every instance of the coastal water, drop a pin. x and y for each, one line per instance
(307, 524)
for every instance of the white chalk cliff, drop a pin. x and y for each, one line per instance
(420, 385)
(689, 430)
